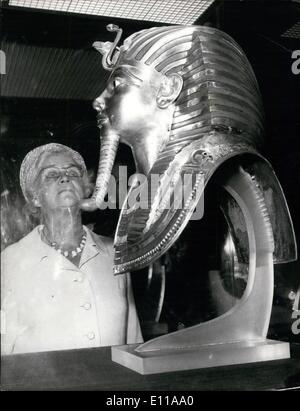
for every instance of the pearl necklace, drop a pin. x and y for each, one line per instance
(72, 253)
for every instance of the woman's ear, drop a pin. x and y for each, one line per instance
(88, 191)
(35, 200)
(169, 90)
(88, 188)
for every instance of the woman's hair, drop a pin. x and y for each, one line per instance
(30, 167)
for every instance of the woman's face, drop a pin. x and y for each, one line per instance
(59, 183)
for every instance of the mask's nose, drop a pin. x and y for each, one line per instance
(99, 104)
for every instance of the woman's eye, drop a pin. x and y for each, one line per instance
(74, 173)
(51, 174)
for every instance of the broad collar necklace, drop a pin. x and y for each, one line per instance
(67, 253)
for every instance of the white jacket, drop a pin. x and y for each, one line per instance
(50, 304)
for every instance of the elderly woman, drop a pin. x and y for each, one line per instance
(58, 287)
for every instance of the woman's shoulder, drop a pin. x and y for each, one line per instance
(107, 241)
(16, 259)
(103, 242)
(20, 246)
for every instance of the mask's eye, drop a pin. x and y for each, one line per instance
(117, 82)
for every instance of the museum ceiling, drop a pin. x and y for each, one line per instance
(48, 44)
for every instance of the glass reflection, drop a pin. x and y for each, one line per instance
(201, 277)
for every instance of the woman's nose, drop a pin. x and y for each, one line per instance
(64, 178)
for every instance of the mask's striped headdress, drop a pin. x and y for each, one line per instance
(220, 91)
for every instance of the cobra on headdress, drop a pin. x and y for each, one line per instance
(109, 49)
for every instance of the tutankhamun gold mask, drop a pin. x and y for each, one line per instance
(187, 102)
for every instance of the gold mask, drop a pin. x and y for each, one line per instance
(186, 100)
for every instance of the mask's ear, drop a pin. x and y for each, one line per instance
(169, 90)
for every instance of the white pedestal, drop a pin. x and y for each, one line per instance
(205, 356)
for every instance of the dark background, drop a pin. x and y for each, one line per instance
(53, 75)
